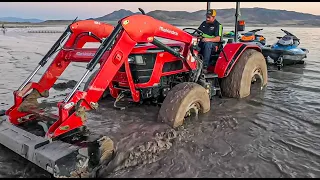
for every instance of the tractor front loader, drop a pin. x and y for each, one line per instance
(133, 64)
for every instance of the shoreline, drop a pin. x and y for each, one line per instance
(51, 24)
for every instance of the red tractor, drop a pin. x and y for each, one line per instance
(133, 64)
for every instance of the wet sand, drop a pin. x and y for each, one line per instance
(273, 134)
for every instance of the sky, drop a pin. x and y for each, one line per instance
(84, 10)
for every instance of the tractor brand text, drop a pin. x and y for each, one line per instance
(168, 30)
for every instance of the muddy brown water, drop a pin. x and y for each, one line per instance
(273, 134)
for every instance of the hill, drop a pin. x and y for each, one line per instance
(115, 16)
(252, 16)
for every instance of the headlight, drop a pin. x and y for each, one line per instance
(139, 60)
(136, 59)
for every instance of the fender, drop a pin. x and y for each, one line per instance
(233, 51)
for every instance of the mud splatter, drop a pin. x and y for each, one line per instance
(65, 85)
(144, 145)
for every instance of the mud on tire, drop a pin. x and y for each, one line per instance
(183, 99)
(86, 85)
(238, 83)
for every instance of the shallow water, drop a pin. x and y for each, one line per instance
(275, 134)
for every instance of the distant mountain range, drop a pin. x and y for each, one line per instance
(252, 16)
(20, 20)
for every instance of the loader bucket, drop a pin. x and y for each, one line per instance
(59, 158)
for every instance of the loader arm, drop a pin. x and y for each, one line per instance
(75, 36)
(80, 36)
(129, 31)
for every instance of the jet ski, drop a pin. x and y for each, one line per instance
(286, 51)
(252, 37)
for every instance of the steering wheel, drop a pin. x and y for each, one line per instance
(196, 32)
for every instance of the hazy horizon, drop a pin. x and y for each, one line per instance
(84, 10)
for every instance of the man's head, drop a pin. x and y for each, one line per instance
(211, 15)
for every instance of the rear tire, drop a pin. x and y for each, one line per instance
(182, 99)
(86, 85)
(250, 65)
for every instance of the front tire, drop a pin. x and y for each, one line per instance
(183, 99)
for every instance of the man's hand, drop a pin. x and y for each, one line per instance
(215, 39)
(205, 39)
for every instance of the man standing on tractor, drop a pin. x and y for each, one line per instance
(212, 34)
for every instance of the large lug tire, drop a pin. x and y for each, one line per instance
(183, 99)
(250, 66)
(86, 85)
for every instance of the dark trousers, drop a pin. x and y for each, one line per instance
(207, 48)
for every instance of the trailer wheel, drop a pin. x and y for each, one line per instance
(250, 67)
(86, 85)
(185, 99)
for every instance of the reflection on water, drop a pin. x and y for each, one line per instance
(275, 134)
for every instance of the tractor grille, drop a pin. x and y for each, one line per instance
(172, 66)
(141, 66)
